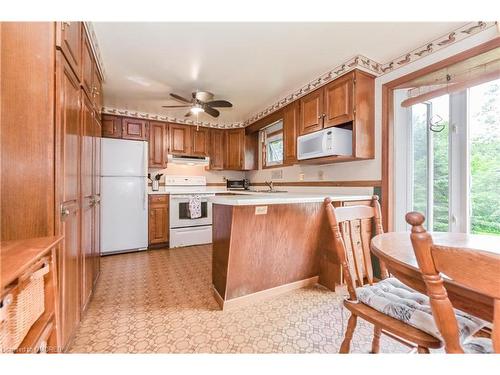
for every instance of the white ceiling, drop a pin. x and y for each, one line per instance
(249, 64)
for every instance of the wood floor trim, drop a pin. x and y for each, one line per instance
(263, 294)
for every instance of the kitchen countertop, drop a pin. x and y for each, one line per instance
(262, 198)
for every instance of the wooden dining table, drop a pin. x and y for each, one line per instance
(396, 251)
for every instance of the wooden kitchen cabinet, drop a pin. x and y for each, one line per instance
(69, 39)
(134, 129)
(338, 101)
(158, 144)
(199, 141)
(217, 147)
(68, 125)
(87, 200)
(241, 150)
(290, 122)
(311, 112)
(87, 71)
(111, 126)
(158, 223)
(179, 139)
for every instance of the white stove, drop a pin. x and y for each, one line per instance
(185, 231)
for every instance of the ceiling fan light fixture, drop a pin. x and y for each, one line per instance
(197, 109)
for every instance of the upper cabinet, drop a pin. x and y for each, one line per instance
(199, 141)
(111, 126)
(217, 147)
(87, 71)
(158, 144)
(311, 112)
(179, 139)
(333, 104)
(69, 39)
(134, 129)
(241, 150)
(290, 122)
(338, 101)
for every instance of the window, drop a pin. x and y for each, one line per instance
(272, 144)
(447, 159)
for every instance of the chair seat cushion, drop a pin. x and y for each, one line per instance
(478, 345)
(393, 298)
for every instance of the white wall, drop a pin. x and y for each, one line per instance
(189, 170)
(371, 169)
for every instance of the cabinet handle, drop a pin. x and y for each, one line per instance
(65, 23)
(64, 212)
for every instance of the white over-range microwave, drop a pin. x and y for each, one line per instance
(326, 142)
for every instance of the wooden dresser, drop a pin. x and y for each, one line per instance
(28, 295)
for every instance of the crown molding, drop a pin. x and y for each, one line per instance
(357, 62)
(158, 117)
(89, 29)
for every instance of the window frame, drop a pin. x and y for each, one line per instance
(264, 141)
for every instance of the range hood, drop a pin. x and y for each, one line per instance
(188, 160)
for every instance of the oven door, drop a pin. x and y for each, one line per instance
(179, 212)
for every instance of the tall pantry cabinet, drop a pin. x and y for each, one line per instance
(50, 152)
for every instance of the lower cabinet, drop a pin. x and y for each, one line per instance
(158, 222)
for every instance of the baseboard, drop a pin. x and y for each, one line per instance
(263, 294)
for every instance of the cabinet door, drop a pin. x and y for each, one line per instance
(68, 130)
(96, 88)
(96, 255)
(111, 126)
(158, 219)
(217, 147)
(87, 200)
(339, 101)
(290, 134)
(180, 139)
(199, 141)
(235, 146)
(311, 112)
(134, 129)
(157, 144)
(87, 66)
(68, 39)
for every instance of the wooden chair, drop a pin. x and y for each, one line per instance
(352, 229)
(473, 269)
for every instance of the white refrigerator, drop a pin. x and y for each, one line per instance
(124, 196)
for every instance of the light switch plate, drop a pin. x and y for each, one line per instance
(261, 210)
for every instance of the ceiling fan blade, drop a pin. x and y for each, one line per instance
(189, 113)
(219, 103)
(176, 106)
(211, 111)
(180, 98)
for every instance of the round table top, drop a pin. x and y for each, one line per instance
(397, 245)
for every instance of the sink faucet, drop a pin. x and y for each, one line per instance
(270, 185)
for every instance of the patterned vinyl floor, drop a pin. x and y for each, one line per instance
(160, 301)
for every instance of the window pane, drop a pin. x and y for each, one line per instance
(275, 151)
(440, 142)
(484, 146)
(419, 128)
(430, 122)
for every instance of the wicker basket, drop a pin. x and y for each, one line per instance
(20, 309)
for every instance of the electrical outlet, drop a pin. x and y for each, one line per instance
(321, 175)
(277, 174)
(301, 176)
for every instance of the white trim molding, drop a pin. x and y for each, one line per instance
(158, 117)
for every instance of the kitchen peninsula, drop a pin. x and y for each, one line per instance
(268, 243)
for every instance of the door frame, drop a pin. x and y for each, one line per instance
(388, 123)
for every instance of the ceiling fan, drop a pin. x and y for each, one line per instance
(201, 102)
